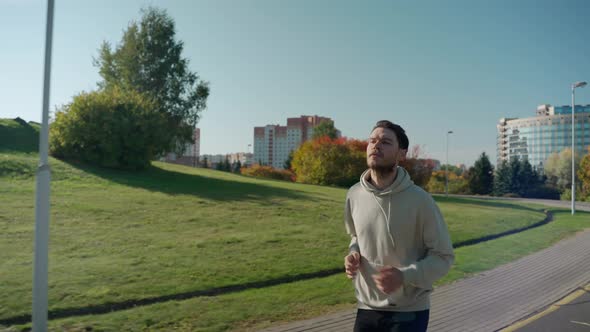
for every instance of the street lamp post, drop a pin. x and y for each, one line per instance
(447, 166)
(574, 86)
(43, 175)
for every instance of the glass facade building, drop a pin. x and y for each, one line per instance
(535, 138)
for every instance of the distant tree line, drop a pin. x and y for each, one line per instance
(335, 161)
(226, 166)
(517, 178)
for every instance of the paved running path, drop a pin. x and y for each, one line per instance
(493, 299)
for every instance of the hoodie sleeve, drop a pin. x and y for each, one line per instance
(350, 229)
(439, 249)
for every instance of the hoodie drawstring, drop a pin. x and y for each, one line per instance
(387, 216)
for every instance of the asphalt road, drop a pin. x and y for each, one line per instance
(569, 317)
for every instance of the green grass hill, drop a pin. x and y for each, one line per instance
(19, 135)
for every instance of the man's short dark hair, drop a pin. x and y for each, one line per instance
(400, 133)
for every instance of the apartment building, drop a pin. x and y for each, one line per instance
(273, 143)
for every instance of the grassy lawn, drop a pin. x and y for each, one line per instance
(120, 236)
(255, 309)
(471, 218)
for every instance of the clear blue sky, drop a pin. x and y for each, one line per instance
(431, 66)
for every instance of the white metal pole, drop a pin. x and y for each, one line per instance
(40, 268)
(573, 152)
(447, 169)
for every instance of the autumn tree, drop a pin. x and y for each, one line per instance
(325, 128)
(327, 161)
(558, 169)
(418, 166)
(584, 175)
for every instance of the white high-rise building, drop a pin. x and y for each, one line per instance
(273, 143)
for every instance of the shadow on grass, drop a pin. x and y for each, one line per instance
(178, 183)
(483, 202)
(548, 218)
(130, 304)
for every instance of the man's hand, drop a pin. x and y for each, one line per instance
(352, 263)
(389, 279)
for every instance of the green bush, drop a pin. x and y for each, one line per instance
(457, 184)
(566, 195)
(109, 128)
(544, 192)
(267, 172)
(326, 161)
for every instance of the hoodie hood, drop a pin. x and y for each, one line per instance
(402, 182)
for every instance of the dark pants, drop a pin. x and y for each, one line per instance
(391, 321)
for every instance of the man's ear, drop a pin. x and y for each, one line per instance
(403, 154)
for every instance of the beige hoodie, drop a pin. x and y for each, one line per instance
(399, 226)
